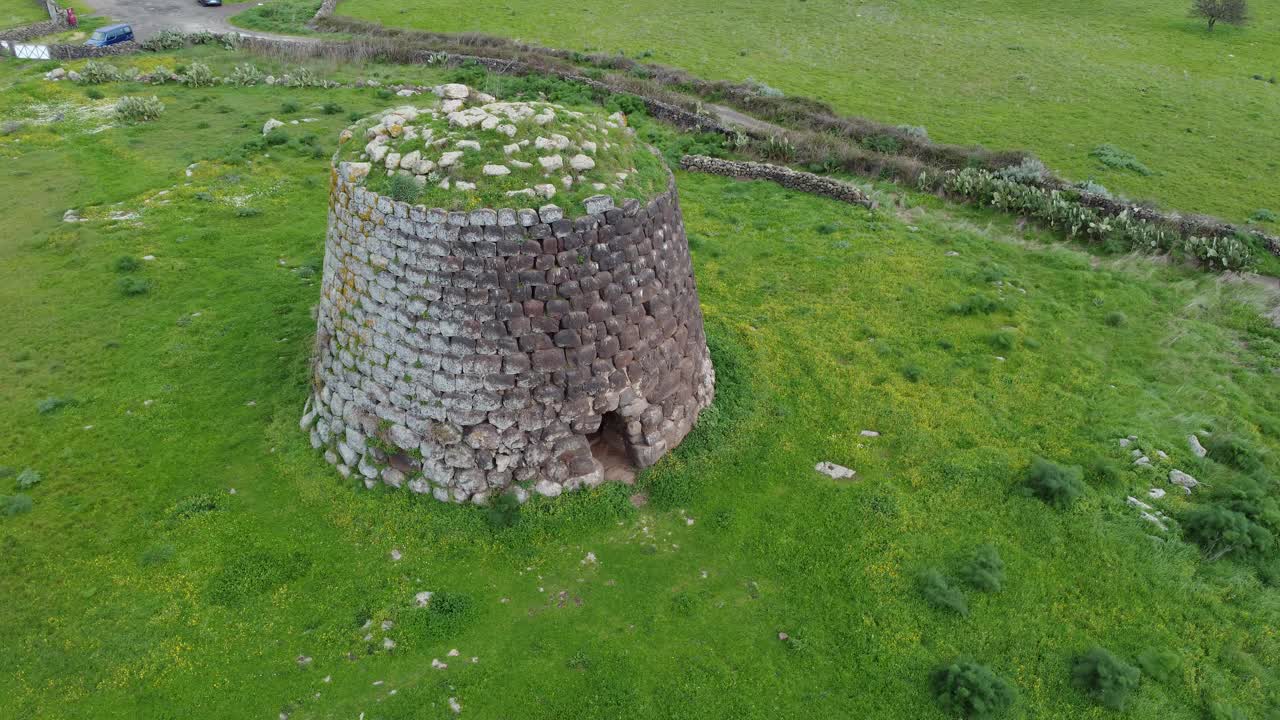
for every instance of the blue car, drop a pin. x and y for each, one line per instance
(110, 35)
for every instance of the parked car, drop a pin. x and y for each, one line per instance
(210, 3)
(110, 35)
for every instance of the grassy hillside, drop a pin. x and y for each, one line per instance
(144, 391)
(1058, 78)
(21, 12)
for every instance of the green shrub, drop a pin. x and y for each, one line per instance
(1117, 159)
(402, 188)
(941, 593)
(974, 305)
(1116, 319)
(165, 40)
(331, 108)
(1262, 215)
(194, 505)
(970, 690)
(1029, 171)
(28, 479)
(985, 570)
(253, 573)
(127, 263)
(247, 212)
(132, 286)
(446, 614)
(912, 373)
(1105, 678)
(504, 511)
(1057, 485)
(1094, 188)
(156, 555)
(94, 93)
(198, 75)
(96, 73)
(246, 74)
(288, 107)
(277, 136)
(11, 505)
(1220, 530)
(139, 109)
(1235, 451)
(887, 144)
(1160, 665)
(53, 404)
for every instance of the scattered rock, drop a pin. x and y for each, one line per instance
(869, 433)
(952, 253)
(597, 204)
(455, 706)
(590, 559)
(496, 170)
(1135, 502)
(71, 216)
(304, 660)
(423, 598)
(435, 663)
(270, 125)
(454, 91)
(1183, 480)
(1155, 493)
(395, 555)
(388, 644)
(833, 471)
(55, 74)
(1124, 442)
(452, 653)
(581, 162)
(783, 637)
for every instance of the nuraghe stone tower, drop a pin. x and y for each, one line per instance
(466, 351)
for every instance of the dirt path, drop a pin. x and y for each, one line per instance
(729, 116)
(151, 16)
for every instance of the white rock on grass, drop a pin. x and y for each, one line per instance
(454, 91)
(834, 471)
(423, 598)
(551, 163)
(449, 158)
(464, 185)
(1183, 480)
(597, 204)
(1155, 493)
(520, 164)
(393, 161)
(523, 192)
(496, 170)
(581, 163)
(869, 433)
(455, 706)
(270, 125)
(467, 144)
(546, 190)
(451, 106)
(512, 148)
(507, 129)
(588, 146)
(409, 161)
(1196, 447)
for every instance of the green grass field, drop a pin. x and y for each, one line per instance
(139, 586)
(1058, 79)
(21, 12)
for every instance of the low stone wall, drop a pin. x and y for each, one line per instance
(79, 52)
(466, 354)
(34, 30)
(784, 176)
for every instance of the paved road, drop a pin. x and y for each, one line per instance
(150, 16)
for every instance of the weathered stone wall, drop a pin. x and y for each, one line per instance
(463, 354)
(23, 33)
(784, 176)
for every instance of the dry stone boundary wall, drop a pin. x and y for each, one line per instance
(463, 354)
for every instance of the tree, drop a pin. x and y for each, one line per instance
(1232, 12)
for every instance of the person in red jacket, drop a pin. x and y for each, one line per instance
(71, 17)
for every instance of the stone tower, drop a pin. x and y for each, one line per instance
(468, 353)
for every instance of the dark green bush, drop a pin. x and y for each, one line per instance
(1116, 319)
(94, 93)
(11, 505)
(970, 690)
(940, 592)
(253, 573)
(985, 570)
(131, 286)
(1057, 485)
(194, 505)
(1160, 665)
(1117, 159)
(1235, 451)
(504, 511)
(1220, 530)
(53, 404)
(331, 108)
(1105, 678)
(289, 107)
(974, 305)
(127, 263)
